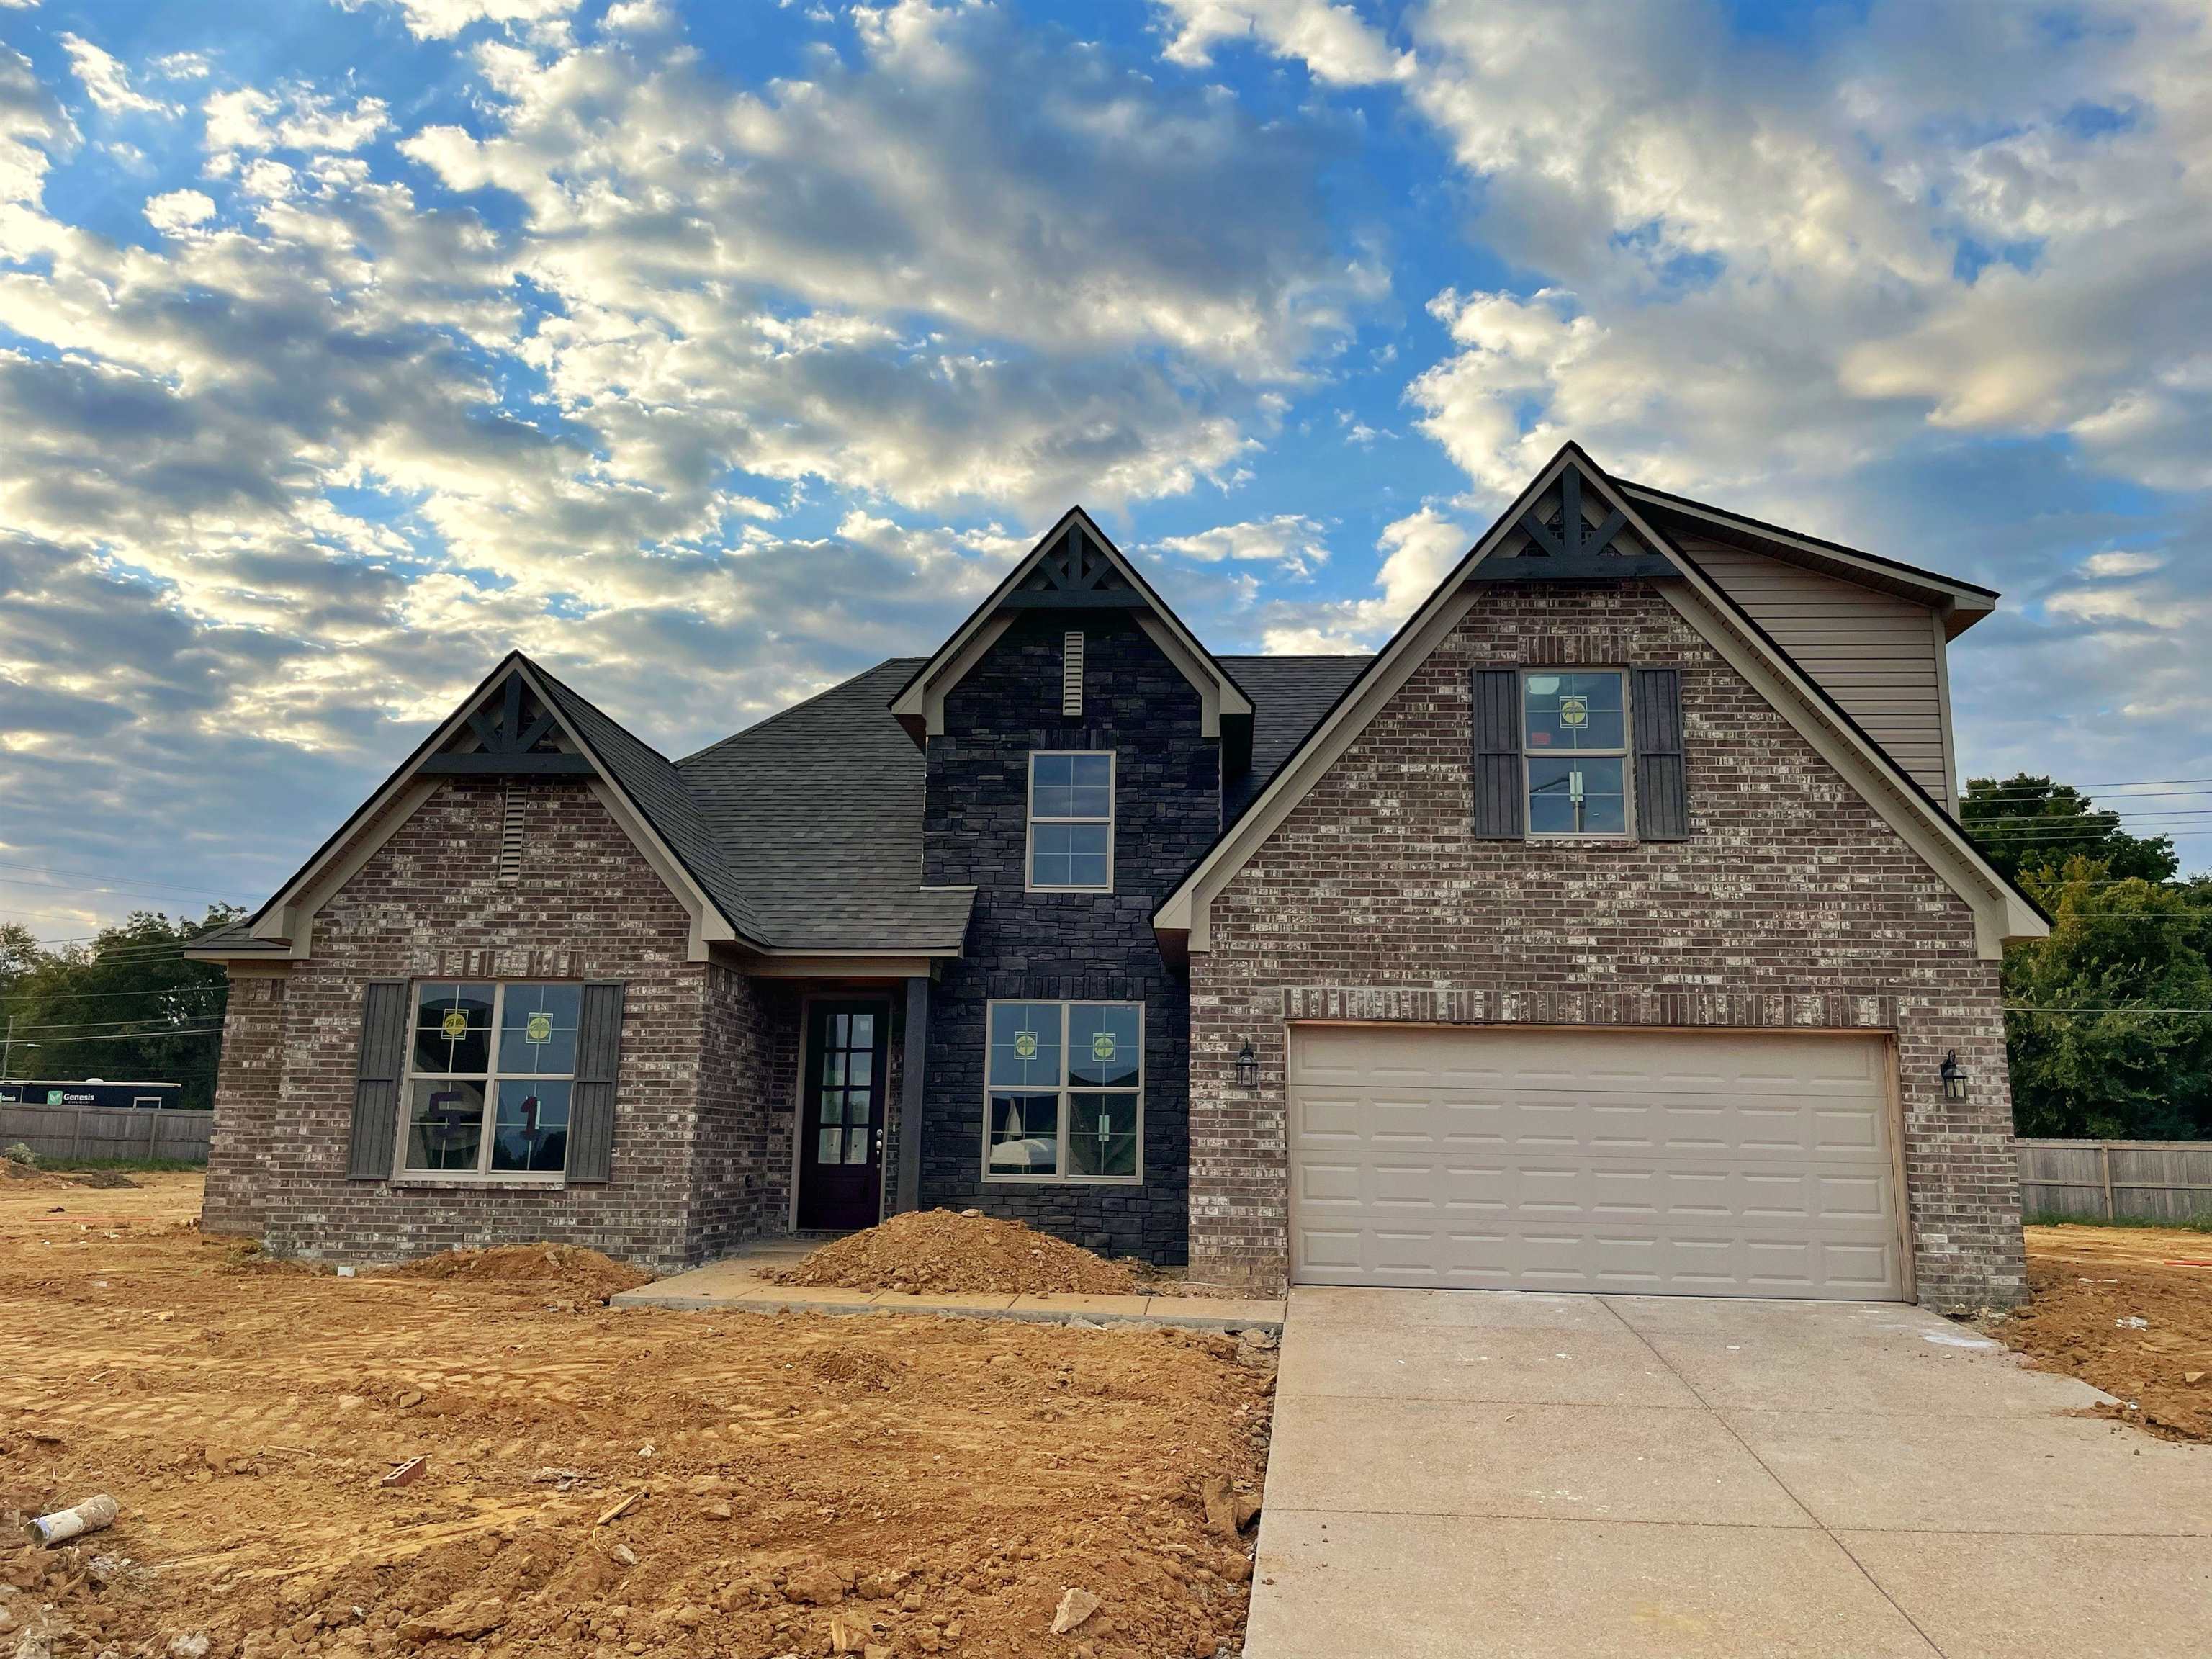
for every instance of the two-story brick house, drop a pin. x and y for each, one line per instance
(1607, 929)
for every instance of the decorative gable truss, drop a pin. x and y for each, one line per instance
(1574, 524)
(1075, 570)
(511, 727)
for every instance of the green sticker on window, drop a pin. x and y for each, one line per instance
(540, 1028)
(1025, 1045)
(1103, 1047)
(455, 1024)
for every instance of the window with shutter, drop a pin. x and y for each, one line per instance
(1663, 793)
(382, 1059)
(1495, 707)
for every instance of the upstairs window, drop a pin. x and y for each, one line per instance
(1072, 823)
(1574, 739)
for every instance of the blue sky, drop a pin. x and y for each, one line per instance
(714, 353)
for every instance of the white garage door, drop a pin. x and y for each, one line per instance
(1692, 1163)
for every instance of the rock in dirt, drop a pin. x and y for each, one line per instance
(1227, 1512)
(567, 1269)
(939, 1252)
(457, 1621)
(847, 1633)
(1075, 1606)
(817, 1586)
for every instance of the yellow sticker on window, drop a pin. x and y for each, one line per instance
(1025, 1045)
(1574, 711)
(540, 1028)
(455, 1024)
(1103, 1047)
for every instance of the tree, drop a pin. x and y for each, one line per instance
(126, 1006)
(2027, 823)
(2108, 1039)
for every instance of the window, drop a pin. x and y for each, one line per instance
(490, 1071)
(1064, 1092)
(1072, 822)
(1575, 737)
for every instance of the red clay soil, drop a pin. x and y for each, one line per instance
(598, 1483)
(2090, 1285)
(561, 1270)
(939, 1252)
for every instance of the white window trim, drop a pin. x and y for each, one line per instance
(1029, 882)
(1625, 754)
(1066, 1091)
(492, 1077)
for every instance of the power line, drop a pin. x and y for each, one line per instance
(53, 1043)
(192, 988)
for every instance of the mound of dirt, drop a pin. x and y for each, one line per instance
(566, 1271)
(938, 1252)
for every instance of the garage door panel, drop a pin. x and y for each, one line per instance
(1698, 1163)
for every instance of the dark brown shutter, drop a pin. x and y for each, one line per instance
(376, 1081)
(1499, 802)
(1662, 790)
(599, 1064)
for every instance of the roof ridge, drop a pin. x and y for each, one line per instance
(767, 720)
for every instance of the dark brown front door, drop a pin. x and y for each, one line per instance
(840, 1125)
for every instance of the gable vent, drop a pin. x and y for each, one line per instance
(510, 833)
(1071, 675)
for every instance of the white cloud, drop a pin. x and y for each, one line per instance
(440, 20)
(247, 118)
(177, 210)
(2118, 562)
(1419, 551)
(1335, 43)
(107, 82)
(1291, 540)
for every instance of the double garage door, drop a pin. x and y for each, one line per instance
(1682, 1163)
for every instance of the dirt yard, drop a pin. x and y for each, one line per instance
(597, 1482)
(2093, 1285)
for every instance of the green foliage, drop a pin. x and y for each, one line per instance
(121, 1007)
(2137, 949)
(2026, 824)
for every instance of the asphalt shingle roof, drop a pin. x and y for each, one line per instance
(1288, 696)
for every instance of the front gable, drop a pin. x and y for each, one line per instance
(1574, 527)
(1074, 572)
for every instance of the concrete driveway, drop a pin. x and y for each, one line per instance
(1473, 1472)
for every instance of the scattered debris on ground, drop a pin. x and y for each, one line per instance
(593, 1483)
(940, 1252)
(2127, 1309)
(561, 1270)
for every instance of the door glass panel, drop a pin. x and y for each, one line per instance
(833, 1068)
(857, 1142)
(864, 1032)
(833, 1106)
(830, 1149)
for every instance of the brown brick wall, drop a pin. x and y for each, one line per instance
(743, 1166)
(430, 903)
(249, 1087)
(1792, 903)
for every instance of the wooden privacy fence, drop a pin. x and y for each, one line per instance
(72, 1132)
(2116, 1180)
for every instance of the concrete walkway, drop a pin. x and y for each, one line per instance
(1466, 1474)
(740, 1284)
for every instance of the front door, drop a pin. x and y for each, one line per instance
(840, 1125)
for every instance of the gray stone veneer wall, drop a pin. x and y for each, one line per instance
(1073, 946)
(1792, 903)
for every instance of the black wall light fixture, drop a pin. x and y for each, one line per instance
(1248, 1066)
(1953, 1076)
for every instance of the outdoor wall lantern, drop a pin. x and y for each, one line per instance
(1953, 1076)
(1248, 1066)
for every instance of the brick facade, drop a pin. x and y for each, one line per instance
(1072, 947)
(431, 903)
(1792, 903)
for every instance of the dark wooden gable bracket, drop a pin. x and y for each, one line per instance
(1576, 552)
(1074, 576)
(510, 748)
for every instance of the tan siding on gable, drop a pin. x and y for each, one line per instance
(1875, 654)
